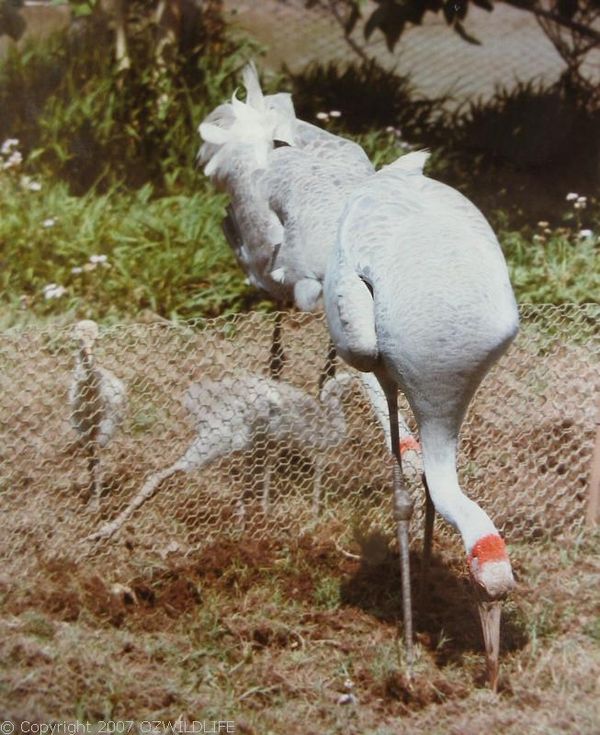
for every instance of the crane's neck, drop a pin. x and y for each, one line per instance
(480, 536)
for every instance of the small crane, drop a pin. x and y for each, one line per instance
(238, 411)
(417, 292)
(98, 401)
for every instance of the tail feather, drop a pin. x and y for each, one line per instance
(257, 123)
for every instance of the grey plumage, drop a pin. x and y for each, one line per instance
(285, 202)
(235, 413)
(97, 399)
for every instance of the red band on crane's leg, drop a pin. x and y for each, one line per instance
(408, 443)
(489, 548)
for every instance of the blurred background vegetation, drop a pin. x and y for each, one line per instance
(105, 215)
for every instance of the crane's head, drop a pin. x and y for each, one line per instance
(86, 333)
(493, 579)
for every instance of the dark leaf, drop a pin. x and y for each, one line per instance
(393, 31)
(460, 29)
(449, 11)
(455, 9)
(567, 8)
(377, 19)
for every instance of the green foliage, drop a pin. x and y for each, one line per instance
(164, 254)
(83, 121)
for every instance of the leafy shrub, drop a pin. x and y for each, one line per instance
(85, 122)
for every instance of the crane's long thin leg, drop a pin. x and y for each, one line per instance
(317, 483)
(266, 486)
(329, 367)
(427, 542)
(403, 508)
(149, 488)
(277, 356)
(94, 474)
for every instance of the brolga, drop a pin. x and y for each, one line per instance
(245, 409)
(417, 292)
(287, 181)
(98, 401)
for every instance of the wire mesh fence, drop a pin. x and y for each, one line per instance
(193, 442)
(441, 65)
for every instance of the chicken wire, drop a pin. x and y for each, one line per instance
(272, 458)
(441, 65)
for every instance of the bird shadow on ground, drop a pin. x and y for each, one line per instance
(446, 620)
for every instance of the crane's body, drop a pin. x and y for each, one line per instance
(287, 181)
(418, 293)
(243, 410)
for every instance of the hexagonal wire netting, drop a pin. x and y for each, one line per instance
(214, 448)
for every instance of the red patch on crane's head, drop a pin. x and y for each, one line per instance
(409, 443)
(488, 548)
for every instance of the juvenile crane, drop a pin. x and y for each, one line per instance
(238, 411)
(98, 402)
(276, 169)
(417, 292)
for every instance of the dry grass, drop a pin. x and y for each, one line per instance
(178, 617)
(266, 634)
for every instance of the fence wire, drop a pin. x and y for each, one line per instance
(219, 449)
(441, 65)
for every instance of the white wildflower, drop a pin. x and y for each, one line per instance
(322, 116)
(89, 267)
(76, 270)
(97, 259)
(15, 159)
(28, 183)
(54, 291)
(585, 234)
(582, 199)
(580, 204)
(8, 146)
(335, 113)
(49, 222)
(543, 224)
(348, 698)
(572, 196)
(390, 129)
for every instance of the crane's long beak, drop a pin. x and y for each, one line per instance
(489, 612)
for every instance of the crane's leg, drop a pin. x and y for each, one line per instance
(94, 473)
(403, 508)
(427, 541)
(266, 486)
(317, 483)
(329, 367)
(277, 356)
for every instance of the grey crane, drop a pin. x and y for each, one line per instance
(417, 292)
(275, 169)
(238, 411)
(98, 401)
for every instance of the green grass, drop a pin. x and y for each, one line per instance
(166, 254)
(125, 187)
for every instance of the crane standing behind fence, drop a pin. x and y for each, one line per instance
(98, 401)
(417, 292)
(276, 170)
